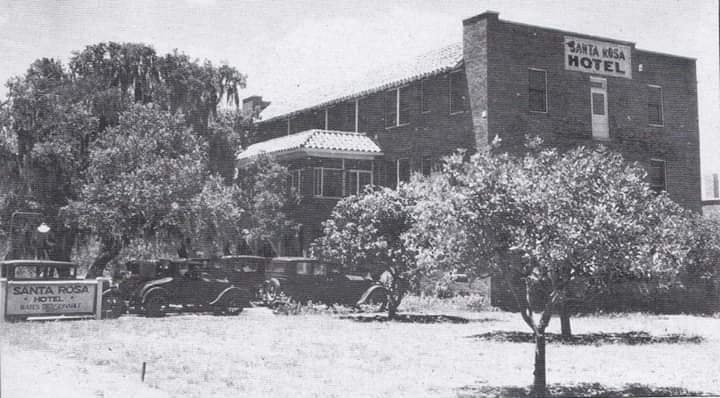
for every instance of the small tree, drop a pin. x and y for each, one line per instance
(365, 232)
(542, 221)
(147, 178)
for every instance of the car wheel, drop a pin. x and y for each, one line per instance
(155, 306)
(112, 306)
(234, 305)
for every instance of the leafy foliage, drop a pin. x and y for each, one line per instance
(54, 114)
(365, 233)
(265, 197)
(544, 220)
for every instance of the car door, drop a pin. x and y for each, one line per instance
(210, 283)
(186, 284)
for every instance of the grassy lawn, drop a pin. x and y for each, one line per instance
(259, 354)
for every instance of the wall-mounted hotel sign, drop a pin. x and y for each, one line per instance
(598, 57)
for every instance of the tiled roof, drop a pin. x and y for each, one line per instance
(438, 61)
(330, 140)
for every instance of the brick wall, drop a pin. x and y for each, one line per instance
(508, 50)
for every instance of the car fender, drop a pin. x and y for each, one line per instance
(147, 286)
(228, 291)
(154, 290)
(369, 292)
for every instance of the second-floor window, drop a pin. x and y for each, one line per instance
(397, 107)
(458, 89)
(424, 95)
(655, 108)
(537, 90)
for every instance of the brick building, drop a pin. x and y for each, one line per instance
(504, 80)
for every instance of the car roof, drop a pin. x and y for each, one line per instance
(288, 259)
(245, 256)
(38, 262)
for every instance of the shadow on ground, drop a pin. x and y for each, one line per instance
(594, 390)
(416, 318)
(629, 338)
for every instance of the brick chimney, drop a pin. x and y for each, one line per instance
(476, 45)
(252, 106)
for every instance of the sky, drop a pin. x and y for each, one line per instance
(287, 46)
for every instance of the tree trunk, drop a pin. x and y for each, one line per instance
(565, 330)
(540, 381)
(392, 306)
(110, 249)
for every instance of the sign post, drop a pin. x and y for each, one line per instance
(3, 295)
(98, 298)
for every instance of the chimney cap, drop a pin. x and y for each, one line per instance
(493, 15)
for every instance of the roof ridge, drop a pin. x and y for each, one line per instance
(377, 79)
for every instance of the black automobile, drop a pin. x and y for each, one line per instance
(247, 272)
(307, 279)
(156, 287)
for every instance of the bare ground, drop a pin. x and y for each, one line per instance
(258, 354)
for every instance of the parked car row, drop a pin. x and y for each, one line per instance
(228, 284)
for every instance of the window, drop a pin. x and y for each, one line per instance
(319, 270)
(403, 166)
(397, 171)
(458, 99)
(598, 104)
(303, 268)
(403, 105)
(424, 96)
(337, 177)
(296, 180)
(427, 165)
(656, 174)
(397, 107)
(537, 83)
(390, 108)
(358, 174)
(655, 108)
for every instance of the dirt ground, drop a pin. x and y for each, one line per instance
(37, 373)
(259, 354)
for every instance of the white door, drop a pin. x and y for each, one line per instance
(599, 108)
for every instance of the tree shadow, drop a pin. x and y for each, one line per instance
(415, 318)
(628, 338)
(594, 390)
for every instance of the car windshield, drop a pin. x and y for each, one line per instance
(277, 267)
(320, 269)
(303, 268)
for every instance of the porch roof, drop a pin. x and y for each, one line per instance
(315, 142)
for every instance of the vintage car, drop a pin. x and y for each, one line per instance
(48, 270)
(247, 272)
(155, 287)
(307, 279)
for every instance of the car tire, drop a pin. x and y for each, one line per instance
(155, 306)
(234, 305)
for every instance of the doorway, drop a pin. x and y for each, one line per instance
(599, 108)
